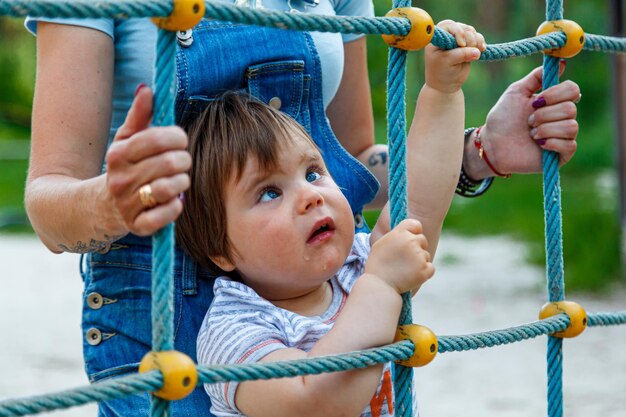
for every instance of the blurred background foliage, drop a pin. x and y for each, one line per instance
(513, 207)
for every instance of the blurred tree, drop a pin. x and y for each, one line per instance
(17, 58)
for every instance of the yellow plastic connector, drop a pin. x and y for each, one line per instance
(421, 33)
(185, 15)
(575, 37)
(179, 373)
(577, 317)
(425, 342)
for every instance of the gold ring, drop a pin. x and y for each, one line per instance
(580, 95)
(146, 196)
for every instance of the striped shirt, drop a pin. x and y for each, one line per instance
(242, 327)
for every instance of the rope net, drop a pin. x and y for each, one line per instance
(163, 241)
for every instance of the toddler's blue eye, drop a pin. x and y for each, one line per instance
(268, 195)
(313, 176)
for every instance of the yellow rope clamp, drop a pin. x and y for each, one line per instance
(180, 376)
(425, 342)
(185, 15)
(577, 317)
(422, 29)
(575, 37)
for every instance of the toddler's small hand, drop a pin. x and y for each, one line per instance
(446, 71)
(400, 257)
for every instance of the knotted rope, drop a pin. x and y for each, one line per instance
(553, 233)
(163, 241)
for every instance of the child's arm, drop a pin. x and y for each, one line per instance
(435, 141)
(398, 263)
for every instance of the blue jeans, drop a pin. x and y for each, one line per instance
(277, 66)
(117, 319)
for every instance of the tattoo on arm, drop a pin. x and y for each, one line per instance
(377, 158)
(92, 246)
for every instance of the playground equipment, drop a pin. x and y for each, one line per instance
(167, 374)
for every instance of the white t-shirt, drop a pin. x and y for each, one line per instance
(241, 327)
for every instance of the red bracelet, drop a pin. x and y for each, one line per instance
(482, 155)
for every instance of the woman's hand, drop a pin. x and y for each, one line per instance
(522, 124)
(143, 156)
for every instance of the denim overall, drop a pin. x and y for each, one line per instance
(281, 68)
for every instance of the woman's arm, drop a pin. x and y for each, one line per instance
(351, 117)
(65, 193)
(72, 206)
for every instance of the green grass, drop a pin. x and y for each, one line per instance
(12, 180)
(514, 207)
(13, 141)
(12, 183)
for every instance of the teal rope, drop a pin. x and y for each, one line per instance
(604, 43)
(606, 318)
(553, 234)
(396, 133)
(498, 52)
(163, 240)
(552, 202)
(503, 337)
(367, 25)
(118, 9)
(138, 383)
(311, 366)
(523, 47)
(101, 391)
(121, 9)
(307, 22)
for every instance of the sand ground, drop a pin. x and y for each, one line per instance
(487, 286)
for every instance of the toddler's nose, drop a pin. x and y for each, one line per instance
(310, 199)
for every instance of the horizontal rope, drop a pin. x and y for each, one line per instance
(601, 43)
(308, 22)
(101, 391)
(606, 318)
(118, 9)
(497, 52)
(311, 366)
(504, 336)
(151, 381)
(122, 9)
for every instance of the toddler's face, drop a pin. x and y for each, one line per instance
(291, 228)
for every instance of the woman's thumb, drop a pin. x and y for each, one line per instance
(139, 115)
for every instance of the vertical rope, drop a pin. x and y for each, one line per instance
(163, 240)
(396, 132)
(553, 232)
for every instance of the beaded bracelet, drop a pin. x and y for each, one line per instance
(468, 187)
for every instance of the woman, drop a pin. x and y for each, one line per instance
(87, 74)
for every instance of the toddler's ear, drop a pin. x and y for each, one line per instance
(224, 264)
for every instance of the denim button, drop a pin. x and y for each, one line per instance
(95, 301)
(94, 336)
(275, 102)
(185, 38)
(359, 221)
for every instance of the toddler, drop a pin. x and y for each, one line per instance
(297, 282)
